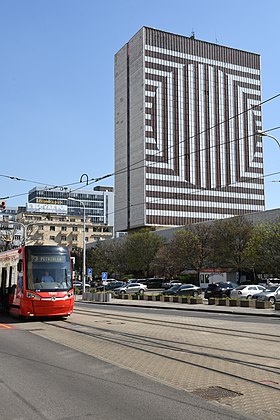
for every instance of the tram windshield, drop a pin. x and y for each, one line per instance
(48, 268)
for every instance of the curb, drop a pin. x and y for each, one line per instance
(189, 308)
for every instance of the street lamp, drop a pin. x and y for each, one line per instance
(265, 134)
(24, 229)
(84, 242)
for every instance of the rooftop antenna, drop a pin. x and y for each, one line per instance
(216, 39)
(192, 35)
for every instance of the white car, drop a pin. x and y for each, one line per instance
(79, 285)
(246, 291)
(131, 288)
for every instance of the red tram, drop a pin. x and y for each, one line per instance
(36, 281)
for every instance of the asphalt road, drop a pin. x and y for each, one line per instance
(42, 379)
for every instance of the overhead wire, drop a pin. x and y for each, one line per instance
(189, 193)
(145, 164)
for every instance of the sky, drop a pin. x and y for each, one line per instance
(57, 81)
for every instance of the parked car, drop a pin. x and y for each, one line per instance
(220, 289)
(111, 285)
(79, 285)
(269, 282)
(171, 283)
(109, 281)
(183, 290)
(246, 291)
(272, 294)
(155, 283)
(131, 288)
(142, 281)
(172, 290)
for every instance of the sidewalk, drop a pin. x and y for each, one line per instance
(186, 307)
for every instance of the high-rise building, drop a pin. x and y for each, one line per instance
(187, 113)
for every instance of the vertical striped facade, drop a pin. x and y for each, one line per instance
(186, 117)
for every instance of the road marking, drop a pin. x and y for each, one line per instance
(4, 326)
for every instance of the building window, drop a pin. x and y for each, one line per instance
(75, 239)
(86, 238)
(41, 227)
(52, 228)
(63, 237)
(64, 228)
(75, 229)
(86, 229)
(52, 238)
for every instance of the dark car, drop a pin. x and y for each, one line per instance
(218, 290)
(154, 283)
(111, 286)
(183, 290)
(172, 290)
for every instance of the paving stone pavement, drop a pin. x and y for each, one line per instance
(228, 362)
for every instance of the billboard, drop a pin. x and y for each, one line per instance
(46, 208)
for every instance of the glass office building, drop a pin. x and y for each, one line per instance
(99, 202)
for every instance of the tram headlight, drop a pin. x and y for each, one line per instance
(32, 296)
(70, 294)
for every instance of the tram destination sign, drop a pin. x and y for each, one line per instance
(48, 258)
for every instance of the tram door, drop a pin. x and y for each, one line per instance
(3, 288)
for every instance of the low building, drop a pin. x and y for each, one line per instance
(62, 217)
(62, 229)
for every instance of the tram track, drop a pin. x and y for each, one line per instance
(238, 366)
(167, 345)
(182, 325)
(187, 353)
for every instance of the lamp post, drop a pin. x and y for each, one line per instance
(265, 134)
(24, 229)
(84, 241)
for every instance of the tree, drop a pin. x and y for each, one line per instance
(108, 256)
(230, 241)
(140, 250)
(7, 234)
(163, 263)
(263, 249)
(102, 258)
(78, 254)
(191, 248)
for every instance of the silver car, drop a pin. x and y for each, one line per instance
(246, 291)
(171, 283)
(272, 294)
(131, 288)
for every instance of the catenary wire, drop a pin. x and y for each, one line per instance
(94, 180)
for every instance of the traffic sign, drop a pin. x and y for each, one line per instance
(104, 275)
(89, 272)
